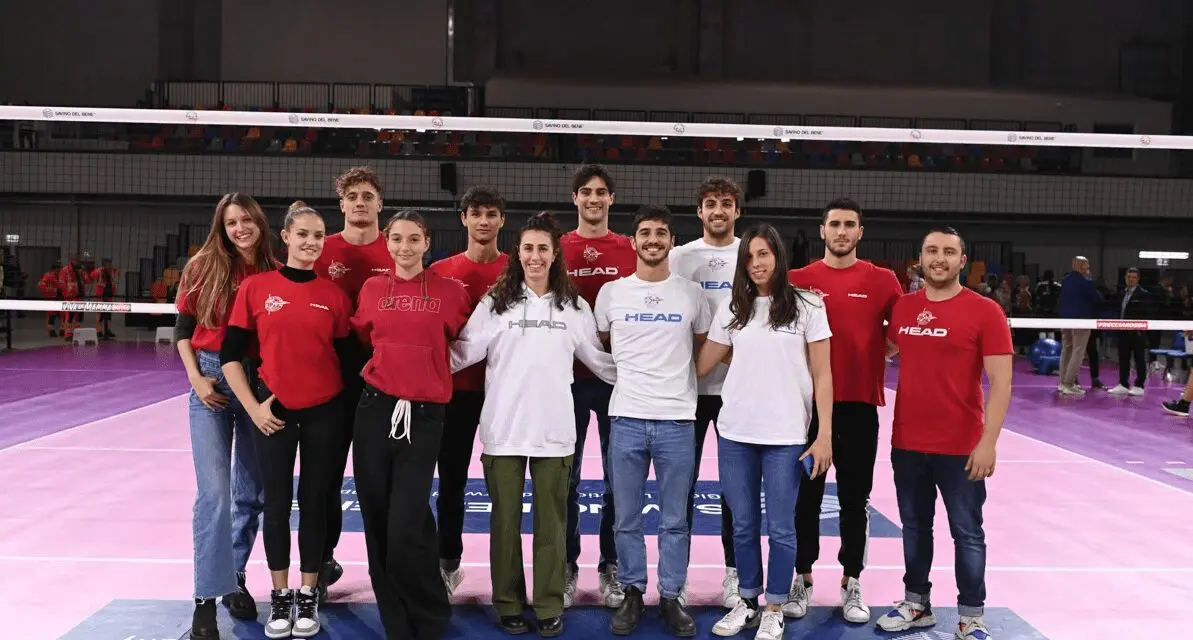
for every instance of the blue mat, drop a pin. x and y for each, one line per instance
(170, 620)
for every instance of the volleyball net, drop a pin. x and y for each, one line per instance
(136, 187)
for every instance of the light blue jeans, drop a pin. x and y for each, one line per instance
(230, 495)
(671, 446)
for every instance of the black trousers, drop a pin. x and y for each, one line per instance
(1091, 355)
(855, 447)
(1132, 345)
(312, 433)
(461, 417)
(353, 386)
(708, 409)
(393, 487)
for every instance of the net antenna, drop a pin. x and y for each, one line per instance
(1162, 257)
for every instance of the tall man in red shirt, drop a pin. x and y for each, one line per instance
(482, 211)
(594, 256)
(947, 336)
(349, 258)
(858, 297)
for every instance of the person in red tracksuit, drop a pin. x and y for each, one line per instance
(105, 289)
(48, 285)
(350, 258)
(70, 285)
(408, 319)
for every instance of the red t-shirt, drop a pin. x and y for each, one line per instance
(939, 402)
(592, 262)
(296, 324)
(210, 338)
(477, 279)
(409, 324)
(349, 265)
(858, 300)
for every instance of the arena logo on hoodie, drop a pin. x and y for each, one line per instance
(409, 303)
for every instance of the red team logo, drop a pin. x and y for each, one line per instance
(924, 318)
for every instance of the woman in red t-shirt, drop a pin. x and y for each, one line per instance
(407, 318)
(228, 501)
(300, 324)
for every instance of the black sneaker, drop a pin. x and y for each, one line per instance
(281, 614)
(203, 623)
(1177, 407)
(240, 603)
(329, 574)
(306, 613)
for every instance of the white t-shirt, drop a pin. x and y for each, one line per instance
(712, 268)
(768, 392)
(651, 325)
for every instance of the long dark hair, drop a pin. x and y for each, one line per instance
(508, 290)
(784, 309)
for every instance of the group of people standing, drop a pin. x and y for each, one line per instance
(352, 345)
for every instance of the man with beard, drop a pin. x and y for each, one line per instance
(858, 297)
(650, 318)
(947, 336)
(349, 258)
(482, 211)
(710, 261)
(594, 256)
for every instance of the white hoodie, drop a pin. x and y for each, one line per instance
(529, 352)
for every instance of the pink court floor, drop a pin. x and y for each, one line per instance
(1088, 520)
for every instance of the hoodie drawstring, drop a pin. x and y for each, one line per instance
(402, 411)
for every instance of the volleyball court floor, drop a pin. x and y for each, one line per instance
(1088, 520)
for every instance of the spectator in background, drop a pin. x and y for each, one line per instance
(1003, 296)
(915, 281)
(1134, 303)
(1047, 295)
(1079, 299)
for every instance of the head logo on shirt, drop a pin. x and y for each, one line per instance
(924, 318)
(337, 270)
(274, 303)
(380, 269)
(590, 254)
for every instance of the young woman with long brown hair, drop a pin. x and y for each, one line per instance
(230, 496)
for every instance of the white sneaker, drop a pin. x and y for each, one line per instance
(306, 613)
(731, 595)
(853, 605)
(610, 587)
(741, 617)
(973, 629)
(281, 614)
(907, 615)
(1135, 391)
(452, 580)
(1119, 390)
(798, 599)
(771, 627)
(569, 587)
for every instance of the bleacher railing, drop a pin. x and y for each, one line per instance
(301, 96)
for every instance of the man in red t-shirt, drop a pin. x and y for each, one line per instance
(350, 257)
(482, 211)
(858, 297)
(594, 256)
(947, 336)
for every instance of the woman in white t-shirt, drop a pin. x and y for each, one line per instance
(779, 339)
(530, 328)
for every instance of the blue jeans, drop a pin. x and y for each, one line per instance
(745, 469)
(230, 494)
(591, 395)
(671, 445)
(917, 477)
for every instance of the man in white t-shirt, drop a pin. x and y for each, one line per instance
(710, 261)
(655, 322)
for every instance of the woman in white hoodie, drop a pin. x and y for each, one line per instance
(530, 328)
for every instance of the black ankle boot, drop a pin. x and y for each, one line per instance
(677, 620)
(551, 627)
(628, 614)
(240, 603)
(203, 623)
(513, 625)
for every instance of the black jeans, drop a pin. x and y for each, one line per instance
(855, 446)
(461, 418)
(708, 409)
(353, 386)
(393, 487)
(1132, 345)
(591, 394)
(312, 433)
